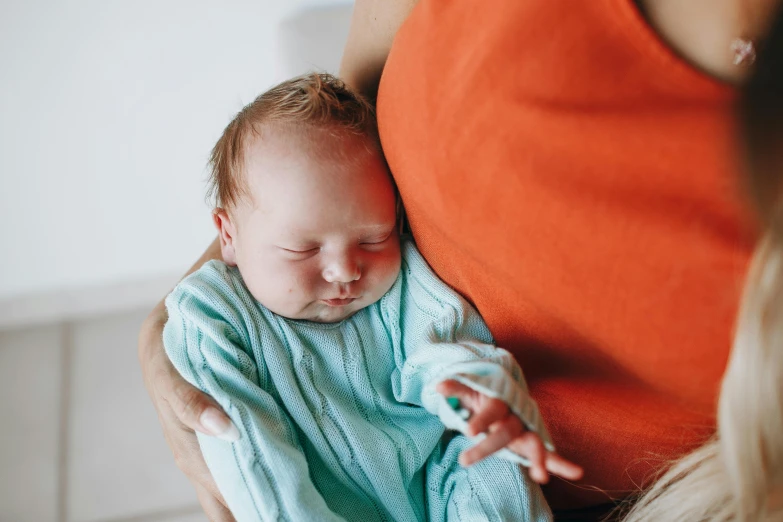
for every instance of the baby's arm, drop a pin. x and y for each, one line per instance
(489, 384)
(264, 475)
(446, 343)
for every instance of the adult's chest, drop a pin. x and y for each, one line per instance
(575, 182)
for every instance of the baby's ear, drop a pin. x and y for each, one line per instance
(227, 235)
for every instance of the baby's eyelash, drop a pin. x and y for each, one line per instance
(377, 239)
(305, 251)
(299, 255)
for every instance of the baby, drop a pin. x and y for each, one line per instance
(338, 354)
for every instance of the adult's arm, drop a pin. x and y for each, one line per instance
(373, 26)
(182, 409)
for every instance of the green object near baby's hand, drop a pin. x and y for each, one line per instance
(454, 404)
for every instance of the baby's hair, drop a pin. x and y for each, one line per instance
(314, 101)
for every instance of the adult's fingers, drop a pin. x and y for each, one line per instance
(212, 506)
(501, 433)
(187, 455)
(192, 408)
(196, 410)
(199, 412)
(181, 410)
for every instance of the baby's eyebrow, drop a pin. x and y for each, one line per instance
(297, 235)
(376, 227)
(310, 236)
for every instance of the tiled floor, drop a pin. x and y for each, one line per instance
(79, 438)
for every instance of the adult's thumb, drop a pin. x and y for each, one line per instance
(198, 411)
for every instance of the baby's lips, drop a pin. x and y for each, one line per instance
(339, 302)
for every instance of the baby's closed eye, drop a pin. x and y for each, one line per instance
(299, 253)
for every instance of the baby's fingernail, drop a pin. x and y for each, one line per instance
(219, 425)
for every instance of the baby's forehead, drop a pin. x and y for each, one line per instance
(275, 154)
(294, 164)
(327, 142)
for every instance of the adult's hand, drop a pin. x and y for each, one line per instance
(182, 410)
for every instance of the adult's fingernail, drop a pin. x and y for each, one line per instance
(219, 425)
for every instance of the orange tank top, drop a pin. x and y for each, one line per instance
(576, 181)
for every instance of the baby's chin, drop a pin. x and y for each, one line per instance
(318, 312)
(327, 318)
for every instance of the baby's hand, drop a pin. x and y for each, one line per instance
(505, 430)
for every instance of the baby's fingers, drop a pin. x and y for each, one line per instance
(529, 445)
(484, 410)
(452, 388)
(489, 412)
(563, 467)
(500, 434)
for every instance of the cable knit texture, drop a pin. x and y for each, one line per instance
(341, 421)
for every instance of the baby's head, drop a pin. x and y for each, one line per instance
(305, 205)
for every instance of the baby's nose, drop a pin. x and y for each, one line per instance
(342, 270)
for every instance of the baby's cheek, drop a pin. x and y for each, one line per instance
(389, 268)
(380, 278)
(278, 285)
(302, 281)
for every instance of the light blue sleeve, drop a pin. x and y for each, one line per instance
(206, 342)
(443, 337)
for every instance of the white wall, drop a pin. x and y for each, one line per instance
(108, 111)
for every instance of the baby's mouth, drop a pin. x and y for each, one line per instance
(339, 302)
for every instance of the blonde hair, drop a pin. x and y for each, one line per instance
(733, 476)
(315, 100)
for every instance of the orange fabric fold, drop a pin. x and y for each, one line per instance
(577, 182)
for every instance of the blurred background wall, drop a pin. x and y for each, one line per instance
(108, 111)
